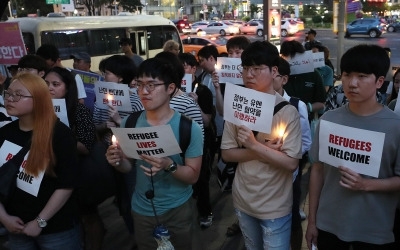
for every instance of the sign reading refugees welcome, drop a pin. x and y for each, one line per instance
(156, 141)
(357, 149)
(228, 70)
(12, 46)
(114, 95)
(243, 106)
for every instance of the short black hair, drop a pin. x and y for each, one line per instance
(32, 61)
(48, 51)
(311, 31)
(121, 66)
(161, 69)
(189, 59)
(283, 67)
(125, 40)
(367, 59)
(173, 59)
(290, 48)
(240, 42)
(208, 51)
(260, 52)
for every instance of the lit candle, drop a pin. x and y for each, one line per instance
(195, 88)
(114, 140)
(281, 134)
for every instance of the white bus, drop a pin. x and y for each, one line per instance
(98, 35)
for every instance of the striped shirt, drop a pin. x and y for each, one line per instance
(188, 107)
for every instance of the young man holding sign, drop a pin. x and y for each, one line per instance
(163, 190)
(262, 187)
(355, 183)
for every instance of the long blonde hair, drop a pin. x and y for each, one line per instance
(41, 156)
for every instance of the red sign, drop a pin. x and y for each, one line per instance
(12, 46)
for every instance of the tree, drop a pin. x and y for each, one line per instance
(131, 5)
(254, 9)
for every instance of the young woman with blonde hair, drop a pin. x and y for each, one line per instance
(40, 213)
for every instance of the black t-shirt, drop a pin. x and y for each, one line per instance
(27, 206)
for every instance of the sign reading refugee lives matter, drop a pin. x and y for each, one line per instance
(113, 94)
(61, 110)
(186, 83)
(12, 46)
(301, 63)
(357, 149)
(228, 70)
(156, 141)
(243, 106)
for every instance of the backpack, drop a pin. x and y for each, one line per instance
(125, 185)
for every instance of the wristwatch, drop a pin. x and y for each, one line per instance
(42, 223)
(172, 168)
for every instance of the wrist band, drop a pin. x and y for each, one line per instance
(309, 107)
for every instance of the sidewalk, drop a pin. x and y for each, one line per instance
(212, 238)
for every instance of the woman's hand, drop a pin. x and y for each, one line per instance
(275, 144)
(114, 155)
(32, 229)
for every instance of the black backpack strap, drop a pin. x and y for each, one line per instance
(185, 134)
(295, 102)
(132, 119)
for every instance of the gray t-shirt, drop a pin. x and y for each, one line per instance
(359, 215)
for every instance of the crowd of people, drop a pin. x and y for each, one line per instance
(348, 209)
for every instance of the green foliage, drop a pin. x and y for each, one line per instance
(254, 9)
(309, 10)
(317, 19)
(130, 5)
(246, 18)
(328, 17)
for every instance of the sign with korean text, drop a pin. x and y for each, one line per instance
(58, 1)
(12, 46)
(301, 63)
(112, 94)
(228, 70)
(25, 181)
(60, 108)
(156, 141)
(186, 84)
(254, 109)
(357, 149)
(318, 59)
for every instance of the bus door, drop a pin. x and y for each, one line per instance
(140, 43)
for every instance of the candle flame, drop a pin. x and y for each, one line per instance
(114, 140)
(195, 86)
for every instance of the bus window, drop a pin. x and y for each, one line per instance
(67, 42)
(106, 41)
(142, 44)
(29, 42)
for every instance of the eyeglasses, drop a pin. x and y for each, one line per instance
(278, 76)
(254, 70)
(15, 97)
(150, 86)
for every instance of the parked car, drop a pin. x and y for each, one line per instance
(192, 44)
(296, 21)
(253, 27)
(288, 28)
(195, 27)
(372, 27)
(182, 24)
(393, 27)
(221, 28)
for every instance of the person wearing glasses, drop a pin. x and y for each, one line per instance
(169, 178)
(40, 213)
(262, 187)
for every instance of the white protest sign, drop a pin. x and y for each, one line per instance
(113, 94)
(357, 149)
(254, 109)
(318, 59)
(301, 63)
(25, 182)
(61, 110)
(228, 70)
(156, 141)
(397, 107)
(186, 84)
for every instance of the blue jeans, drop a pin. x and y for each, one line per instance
(265, 234)
(66, 240)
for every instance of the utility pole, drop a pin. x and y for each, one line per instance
(341, 26)
(272, 21)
